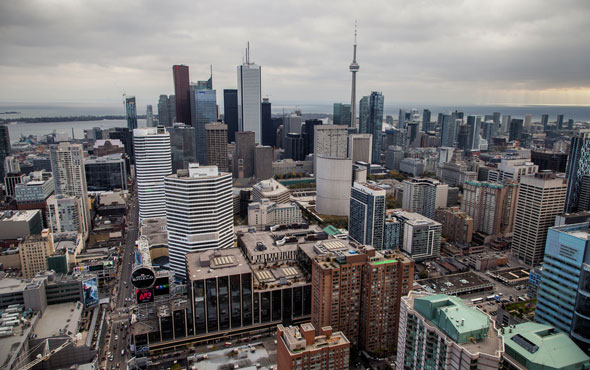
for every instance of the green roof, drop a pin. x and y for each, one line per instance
(460, 322)
(331, 230)
(384, 262)
(539, 346)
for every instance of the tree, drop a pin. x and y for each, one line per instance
(423, 274)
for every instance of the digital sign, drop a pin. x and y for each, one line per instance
(144, 295)
(90, 288)
(143, 277)
(161, 286)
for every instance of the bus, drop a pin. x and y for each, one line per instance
(477, 301)
(491, 298)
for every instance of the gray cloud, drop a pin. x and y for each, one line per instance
(432, 52)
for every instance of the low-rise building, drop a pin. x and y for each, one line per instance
(267, 213)
(34, 251)
(300, 348)
(272, 190)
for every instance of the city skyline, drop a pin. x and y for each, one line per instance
(521, 54)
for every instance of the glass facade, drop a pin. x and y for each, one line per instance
(203, 111)
(106, 174)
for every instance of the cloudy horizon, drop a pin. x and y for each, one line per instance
(422, 53)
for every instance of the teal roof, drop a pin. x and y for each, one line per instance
(460, 322)
(331, 230)
(539, 346)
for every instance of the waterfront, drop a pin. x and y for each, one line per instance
(17, 130)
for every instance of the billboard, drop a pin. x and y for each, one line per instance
(143, 277)
(90, 291)
(162, 286)
(144, 295)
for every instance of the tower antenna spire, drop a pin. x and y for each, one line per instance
(354, 67)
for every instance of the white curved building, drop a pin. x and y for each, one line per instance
(199, 213)
(333, 183)
(153, 162)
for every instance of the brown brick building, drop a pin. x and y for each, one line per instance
(457, 226)
(300, 348)
(357, 290)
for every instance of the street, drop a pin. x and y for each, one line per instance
(119, 317)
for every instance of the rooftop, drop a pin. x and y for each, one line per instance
(10, 285)
(470, 328)
(59, 319)
(303, 338)
(154, 230)
(540, 346)
(578, 231)
(18, 216)
(215, 263)
(270, 187)
(456, 284)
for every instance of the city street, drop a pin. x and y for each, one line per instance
(123, 295)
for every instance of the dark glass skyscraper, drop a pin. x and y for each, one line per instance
(131, 112)
(230, 113)
(307, 131)
(268, 132)
(515, 129)
(426, 120)
(342, 114)
(578, 165)
(4, 148)
(203, 111)
(474, 123)
(364, 115)
(545, 121)
(559, 121)
(182, 93)
(375, 124)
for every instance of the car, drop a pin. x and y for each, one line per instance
(122, 352)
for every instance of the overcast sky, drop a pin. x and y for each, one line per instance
(415, 52)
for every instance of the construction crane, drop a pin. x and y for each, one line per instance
(47, 353)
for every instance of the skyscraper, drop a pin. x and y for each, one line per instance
(153, 162)
(166, 110)
(249, 97)
(448, 130)
(474, 123)
(199, 213)
(183, 146)
(540, 198)
(367, 214)
(131, 112)
(559, 121)
(424, 196)
(376, 124)
(515, 129)
(243, 159)
(203, 106)
(230, 113)
(364, 116)
(182, 94)
(563, 292)
(426, 126)
(308, 131)
(149, 116)
(342, 114)
(491, 205)
(268, 132)
(354, 67)
(293, 144)
(578, 165)
(69, 174)
(4, 147)
(217, 145)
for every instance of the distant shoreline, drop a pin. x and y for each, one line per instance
(64, 119)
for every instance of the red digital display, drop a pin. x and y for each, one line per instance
(144, 295)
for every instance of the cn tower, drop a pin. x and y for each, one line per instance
(354, 67)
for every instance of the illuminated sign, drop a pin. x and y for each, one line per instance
(144, 295)
(143, 277)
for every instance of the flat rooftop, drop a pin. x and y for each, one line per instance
(11, 285)
(512, 274)
(543, 347)
(270, 187)
(277, 275)
(18, 216)
(243, 357)
(154, 230)
(63, 317)
(474, 321)
(456, 284)
(216, 263)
